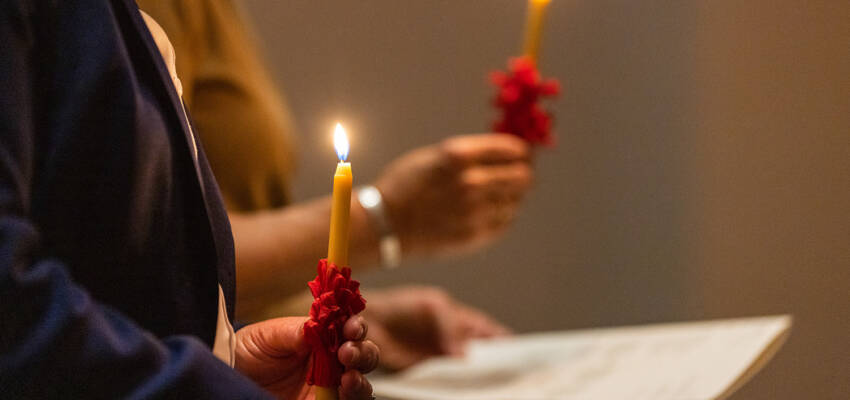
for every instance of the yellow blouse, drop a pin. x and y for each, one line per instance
(236, 108)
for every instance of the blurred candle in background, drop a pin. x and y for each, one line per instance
(534, 28)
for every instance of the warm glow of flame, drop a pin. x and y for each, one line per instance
(341, 142)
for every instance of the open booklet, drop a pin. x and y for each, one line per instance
(679, 361)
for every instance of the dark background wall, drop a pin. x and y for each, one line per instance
(702, 169)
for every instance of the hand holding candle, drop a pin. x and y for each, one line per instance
(336, 296)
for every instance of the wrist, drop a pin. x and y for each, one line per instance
(389, 246)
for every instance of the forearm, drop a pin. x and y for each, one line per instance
(277, 251)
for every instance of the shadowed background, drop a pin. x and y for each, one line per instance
(702, 167)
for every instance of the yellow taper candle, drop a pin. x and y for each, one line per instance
(534, 28)
(340, 212)
(323, 393)
(341, 203)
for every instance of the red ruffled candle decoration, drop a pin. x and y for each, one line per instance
(518, 98)
(336, 298)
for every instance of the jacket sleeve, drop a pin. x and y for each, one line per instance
(55, 340)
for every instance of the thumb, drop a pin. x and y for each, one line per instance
(487, 148)
(279, 337)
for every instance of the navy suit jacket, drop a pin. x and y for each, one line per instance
(113, 237)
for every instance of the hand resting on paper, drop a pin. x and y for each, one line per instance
(413, 323)
(274, 354)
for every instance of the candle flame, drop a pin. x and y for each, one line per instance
(341, 142)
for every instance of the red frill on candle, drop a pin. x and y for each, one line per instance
(336, 298)
(519, 92)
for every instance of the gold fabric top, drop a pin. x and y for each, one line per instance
(237, 110)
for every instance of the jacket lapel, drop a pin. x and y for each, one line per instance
(167, 84)
(175, 107)
(217, 226)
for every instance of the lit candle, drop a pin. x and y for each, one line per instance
(341, 203)
(534, 28)
(340, 211)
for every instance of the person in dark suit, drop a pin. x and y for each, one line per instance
(116, 256)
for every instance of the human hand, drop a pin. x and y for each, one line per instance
(412, 323)
(456, 195)
(274, 354)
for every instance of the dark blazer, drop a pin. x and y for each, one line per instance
(113, 237)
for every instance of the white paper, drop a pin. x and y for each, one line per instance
(681, 361)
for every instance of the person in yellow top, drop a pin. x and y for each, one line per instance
(247, 134)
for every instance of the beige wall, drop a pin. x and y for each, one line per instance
(702, 168)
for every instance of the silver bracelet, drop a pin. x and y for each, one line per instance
(388, 244)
